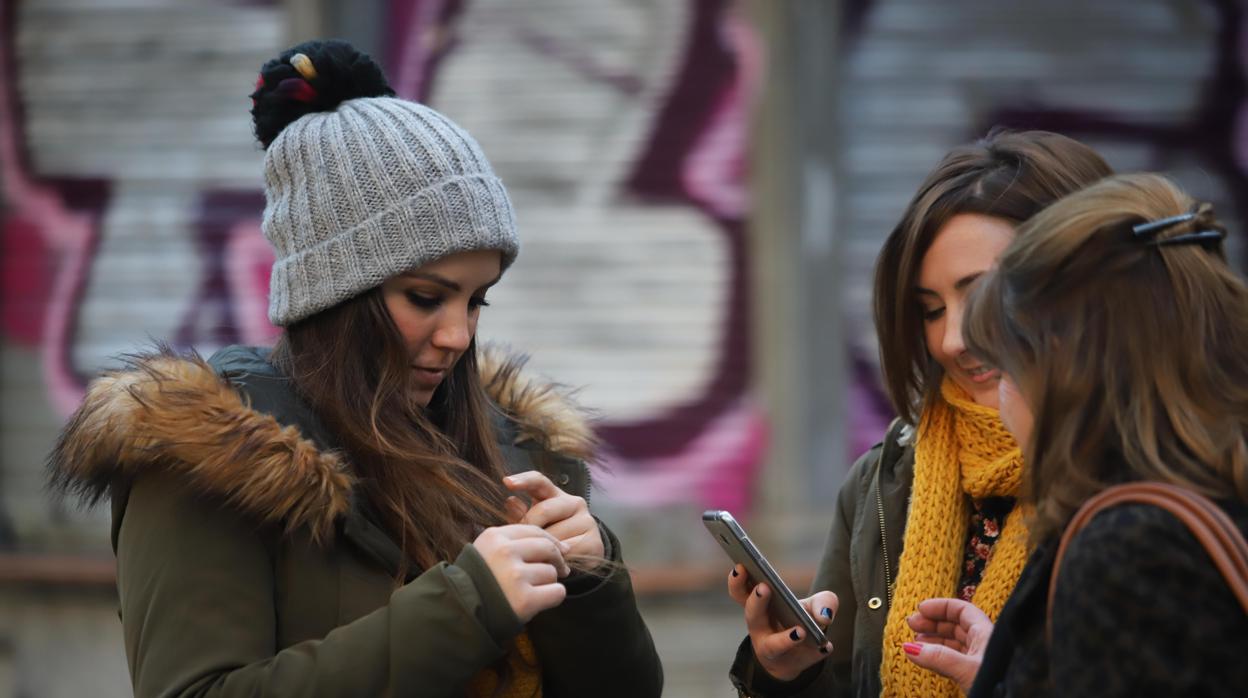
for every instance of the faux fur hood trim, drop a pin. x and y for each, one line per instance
(545, 413)
(177, 414)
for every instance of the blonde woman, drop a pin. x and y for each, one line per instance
(1121, 330)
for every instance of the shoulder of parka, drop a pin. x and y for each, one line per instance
(222, 426)
(891, 458)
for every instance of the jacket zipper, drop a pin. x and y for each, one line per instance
(888, 573)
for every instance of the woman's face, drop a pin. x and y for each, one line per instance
(435, 307)
(1015, 412)
(963, 250)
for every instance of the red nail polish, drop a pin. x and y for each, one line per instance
(912, 648)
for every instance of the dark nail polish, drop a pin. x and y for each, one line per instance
(826, 613)
(734, 572)
(823, 650)
(794, 636)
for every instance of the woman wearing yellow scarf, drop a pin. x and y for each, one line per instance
(930, 511)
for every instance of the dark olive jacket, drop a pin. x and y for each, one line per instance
(859, 563)
(247, 565)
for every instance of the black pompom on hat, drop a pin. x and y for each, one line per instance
(311, 77)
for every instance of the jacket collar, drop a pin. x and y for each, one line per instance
(185, 414)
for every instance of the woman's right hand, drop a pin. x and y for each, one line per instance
(782, 652)
(528, 563)
(950, 638)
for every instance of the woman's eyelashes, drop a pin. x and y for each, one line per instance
(421, 300)
(431, 302)
(932, 314)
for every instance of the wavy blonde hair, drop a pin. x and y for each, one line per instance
(1130, 355)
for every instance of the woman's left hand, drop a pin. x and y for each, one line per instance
(951, 636)
(563, 515)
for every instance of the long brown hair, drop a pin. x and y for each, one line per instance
(1130, 355)
(1007, 175)
(433, 474)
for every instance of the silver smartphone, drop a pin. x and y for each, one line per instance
(784, 604)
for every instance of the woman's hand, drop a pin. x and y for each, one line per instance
(564, 516)
(782, 652)
(950, 638)
(528, 563)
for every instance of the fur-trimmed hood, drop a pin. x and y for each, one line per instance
(180, 414)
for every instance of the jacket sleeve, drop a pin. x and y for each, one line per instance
(1141, 610)
(196, 589)
(832, 676)
(596, 642)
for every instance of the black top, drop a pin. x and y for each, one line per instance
(1140, 611)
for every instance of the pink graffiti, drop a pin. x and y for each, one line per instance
(248, 259)
(715, 172)
(42, 239)
(716, 469)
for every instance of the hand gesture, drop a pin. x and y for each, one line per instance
(528, 564)
(564, 516)
(950, 638)
(783, 652)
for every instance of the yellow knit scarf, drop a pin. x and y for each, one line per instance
(526, 676)
(962, 448)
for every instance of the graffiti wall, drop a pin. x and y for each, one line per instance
(133, 205)
(131, 201)
(132, 197)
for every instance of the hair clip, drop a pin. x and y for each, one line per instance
(1199, 238)
(304, 66)
(1148, 231)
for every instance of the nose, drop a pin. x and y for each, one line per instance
(951, 343)
(454, 332)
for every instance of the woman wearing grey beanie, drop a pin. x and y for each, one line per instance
(373, 507)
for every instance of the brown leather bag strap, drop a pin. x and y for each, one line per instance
(1206, 520)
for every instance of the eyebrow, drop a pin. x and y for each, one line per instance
(445, 282)
(959, 285)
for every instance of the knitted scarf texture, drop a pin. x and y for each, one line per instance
(962, 448)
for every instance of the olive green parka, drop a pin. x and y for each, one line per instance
(247, 565)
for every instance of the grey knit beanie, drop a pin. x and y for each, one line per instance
(367, 189)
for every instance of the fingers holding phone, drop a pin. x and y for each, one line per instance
(822, 607)
(787, 634)
(785, 652)
(740, 585)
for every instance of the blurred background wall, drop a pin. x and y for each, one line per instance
(702, 186)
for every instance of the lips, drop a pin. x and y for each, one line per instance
(981, 374)
(430, 376)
